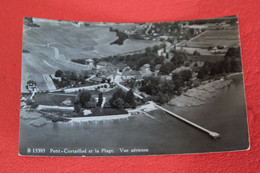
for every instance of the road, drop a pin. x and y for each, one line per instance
(49, 82)
(91, 77)
(127, 89)
(91, 87)
(146, 32)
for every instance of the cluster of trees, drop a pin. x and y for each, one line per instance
(173, 29)
(166, 28)
(121, 36)
(162, 90)
(83, 61)
(150, 56)
(180, 78)
(153, 85)
(136, 61)
(230, 19)
(131, 83)
(233, 52)
(121, 100)
(30, 83)
(176, 61)
(228, 65)
(138, 34)
(231, 63)
(85, 100)
(80, 61)
(69, 78)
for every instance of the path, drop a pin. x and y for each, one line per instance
(62, 94)
(49, 82)
(55, 108)
(99, 118)
(127, 89)
(104, 101)
(91, 77)
(56, 52)
(91, 87)
(33, 93)
(146, 32)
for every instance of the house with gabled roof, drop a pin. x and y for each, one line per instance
(101, 65)
(131, 74)
(121, 66)
(145, 70)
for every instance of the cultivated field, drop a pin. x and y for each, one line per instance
(52, 45)
(77, 42)
(229, 38)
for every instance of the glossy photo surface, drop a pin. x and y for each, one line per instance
(119, 89)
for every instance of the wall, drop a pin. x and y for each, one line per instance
(11, 15)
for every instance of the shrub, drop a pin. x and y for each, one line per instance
(58, 73)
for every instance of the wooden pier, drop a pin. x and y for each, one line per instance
(215, 135)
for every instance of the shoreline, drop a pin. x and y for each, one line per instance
(192, 97)
(204, 92)
(235, 75)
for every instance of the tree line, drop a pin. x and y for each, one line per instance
(121, 36)
(161, 90)
(230, 64)
(136, 61)
(176, 61)
(69, 78)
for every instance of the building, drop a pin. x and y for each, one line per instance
(178, 70)
(89, 62)
(96, 80)
(145, 70)
(131, 74)
(157, 69)
(56, 78)
(121, 66)
(101, 65)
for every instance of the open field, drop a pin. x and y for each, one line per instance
(52, 45)
(58, 98)
(85, 41)
(229, 38)
(35, 64)
(52, 99)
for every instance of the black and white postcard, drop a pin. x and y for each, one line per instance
(120, 89)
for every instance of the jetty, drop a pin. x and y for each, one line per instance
(215, 135)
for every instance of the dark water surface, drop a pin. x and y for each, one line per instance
(160, 134)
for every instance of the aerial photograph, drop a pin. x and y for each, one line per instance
(120, 89)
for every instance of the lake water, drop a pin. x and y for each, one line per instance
(160, 133)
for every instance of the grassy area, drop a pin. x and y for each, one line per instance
(58, 98)
(214, 38)
(107, 111)
(51, 99)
